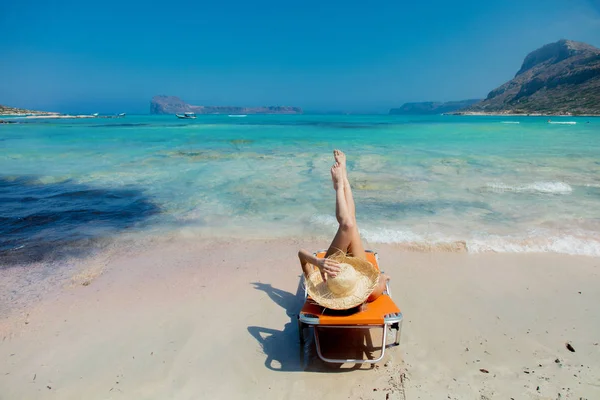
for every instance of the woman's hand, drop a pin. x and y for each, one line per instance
(329, 267)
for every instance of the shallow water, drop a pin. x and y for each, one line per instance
(437, 182)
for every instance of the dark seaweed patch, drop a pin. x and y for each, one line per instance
(241, 141)
(40, 222)
(124, 125)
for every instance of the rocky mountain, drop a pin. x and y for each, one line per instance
(558, 78)
(174, 105)
(432, 107)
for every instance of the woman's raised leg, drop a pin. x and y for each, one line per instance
(344, 235)
(347, 238)
(340, 158)
(351, 234)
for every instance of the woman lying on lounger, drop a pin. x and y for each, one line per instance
(344, 278)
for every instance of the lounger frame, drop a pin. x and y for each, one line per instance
(390, 321)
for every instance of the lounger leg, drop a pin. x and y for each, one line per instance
(398, 331)
(398, 327)
(301, 332)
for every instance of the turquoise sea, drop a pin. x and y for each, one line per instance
(480, 184)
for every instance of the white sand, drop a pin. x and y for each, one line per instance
(189, 320)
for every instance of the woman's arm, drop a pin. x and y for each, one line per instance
(327, 266)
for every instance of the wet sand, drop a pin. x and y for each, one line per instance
(185, 319)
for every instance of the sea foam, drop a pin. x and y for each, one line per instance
(585, 244)
(536, 187)
(567, 244)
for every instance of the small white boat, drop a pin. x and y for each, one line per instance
(94, 114)
(562, 122)
(187, 115)
(121, 115)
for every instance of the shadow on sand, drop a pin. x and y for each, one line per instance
(282, 347)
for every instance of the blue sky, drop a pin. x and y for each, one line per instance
(113, 56)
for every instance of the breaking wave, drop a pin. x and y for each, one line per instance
(536, 187)
(584, 245)
(567, 244)
(326, 220)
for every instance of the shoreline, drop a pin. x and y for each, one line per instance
(22, 113)
(176, 318)
(68, 116)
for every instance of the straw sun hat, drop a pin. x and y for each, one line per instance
(349, 288)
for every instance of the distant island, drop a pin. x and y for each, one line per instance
(5, 110)
(174, 105)
(31, 114)
(561, 78)
(429, 107)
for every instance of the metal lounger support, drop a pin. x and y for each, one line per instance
(390, 321)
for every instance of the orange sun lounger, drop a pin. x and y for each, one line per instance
(381, 313)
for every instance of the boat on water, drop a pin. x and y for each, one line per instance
(562, 122)
(187, 115)
(121, 115)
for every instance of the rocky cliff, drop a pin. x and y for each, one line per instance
(432, 107)
(558, 78)
(174, 105)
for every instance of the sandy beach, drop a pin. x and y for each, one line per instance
(186, 319)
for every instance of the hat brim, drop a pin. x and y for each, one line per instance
(367, 281)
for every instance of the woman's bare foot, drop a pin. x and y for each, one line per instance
(337, 176)
(340, 158)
